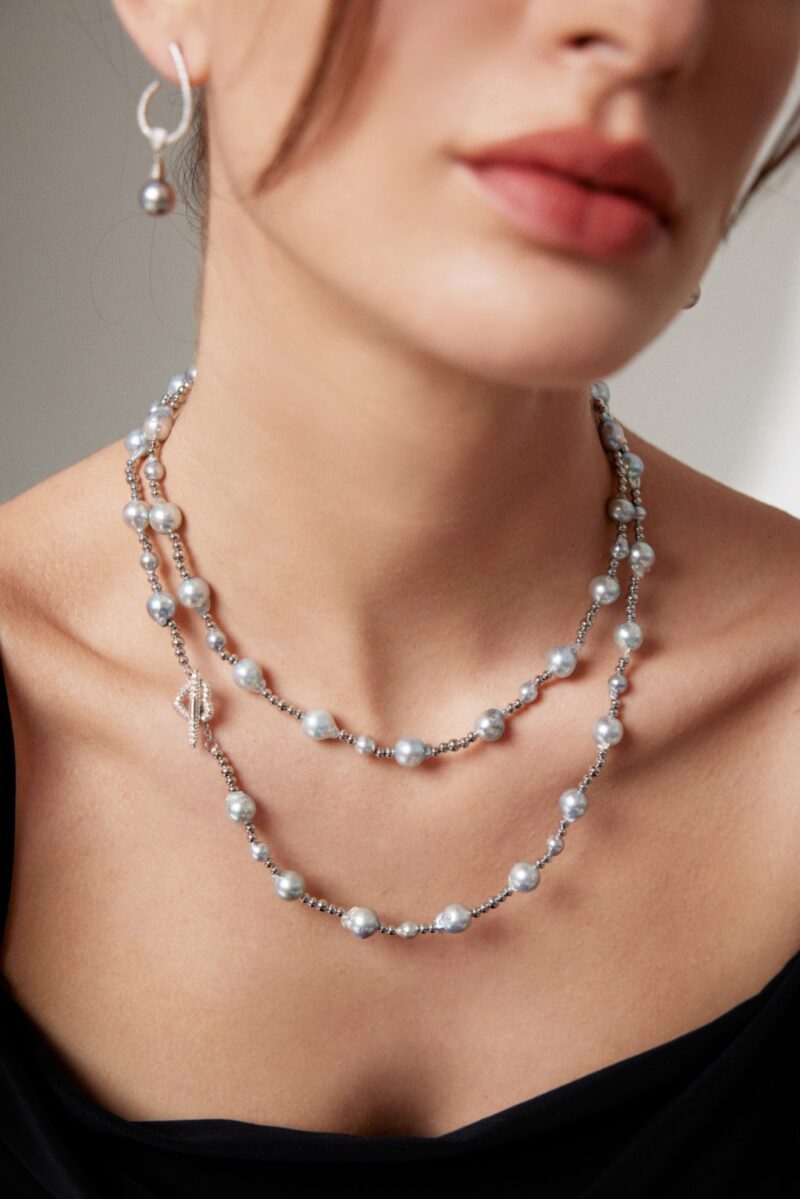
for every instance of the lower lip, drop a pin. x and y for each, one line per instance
(560, 211)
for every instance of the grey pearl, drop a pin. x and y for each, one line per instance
(148, 560)
(620, 510)
(157, 425)
(136, 443)
(216, 640)
(153, 469)
(365, 744)
(248, 675)
(191, 374)
(523, 876)
(628, 635)
(573, 804)
(562, 660)
(642, 555)
(490, 724)
(528, 691)
(555, 844)
(136, 513)
(621, 548)
(617, 684)
(195, 593)
(604, 589)
(259, 850)
(165, 517)
(175, 384)
(319, 725)
(600, 390)
(634, 466)
(409, 751)
(607, 731)
(455, 918)
(161, 606)
(361, 922)
(240, 806)
(612, 434)
(408, 929)
(289, 884)
(157, 197)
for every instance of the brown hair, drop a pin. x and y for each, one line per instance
(345, 35)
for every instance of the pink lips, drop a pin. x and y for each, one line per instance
(573, 189)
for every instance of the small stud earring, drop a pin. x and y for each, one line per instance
(157, 196)
(693, 298)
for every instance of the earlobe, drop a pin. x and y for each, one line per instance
(152, 24)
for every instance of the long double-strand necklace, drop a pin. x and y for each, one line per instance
(194, 701)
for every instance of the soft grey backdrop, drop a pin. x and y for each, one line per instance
(98, 296)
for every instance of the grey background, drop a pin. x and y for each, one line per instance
(98, 297)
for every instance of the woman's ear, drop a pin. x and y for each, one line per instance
(151, 24)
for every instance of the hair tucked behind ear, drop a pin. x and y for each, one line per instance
(343, 42)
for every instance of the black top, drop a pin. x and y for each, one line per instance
(708, 1113)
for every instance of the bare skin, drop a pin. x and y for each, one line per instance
(400, 523)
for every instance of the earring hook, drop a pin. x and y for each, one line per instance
(157, 135)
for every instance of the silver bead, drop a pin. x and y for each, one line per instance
(490, 724)
(572, 803)
(135, 443)
(604, 589)
(165, 517)
(408, 929)
(617, 684)
(157, 197)
(361, 922)
(289, 884)
(175, 383)
(562, 660)
(620, 510)
(634, 466)
(259, 850)
(153, 468)
(628, 635)
(248, 675)
(523, 876)
(216, 640)
(642, 555)
(148, 560)
(455, 918)
(607, 730)
(195, 593)
(555, 844)
(161, 606)
(409, 751)
(136, 513)
(319, 725)
(528, 691)
(240, 806)
(621, 548)
(612, 434)
(365, 744)
(158, 425)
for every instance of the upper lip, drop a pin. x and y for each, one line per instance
(630, 167)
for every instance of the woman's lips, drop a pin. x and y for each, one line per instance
(561, 211)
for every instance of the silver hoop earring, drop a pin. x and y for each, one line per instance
(157, 196)
(693, 298)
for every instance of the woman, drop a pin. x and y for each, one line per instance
(391, 476)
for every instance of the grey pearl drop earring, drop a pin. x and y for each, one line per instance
(157, 197)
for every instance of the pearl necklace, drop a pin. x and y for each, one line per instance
(194, 701)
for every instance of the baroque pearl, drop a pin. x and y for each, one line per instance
(153, 468)
(524, 876)
(555, 844)
(135, 443)
(490, 724)
(620, 510)
(195, 593)
(136, 513)
(289, 884)
(240, 806)
(319, 724)
(604, 589)
(642, 556)
(528, 691)
(216, 639)
(161, 606)
(158, 425)
(148, 560)
(562, 660)
(621, 548)
(165, 517)
(633, 464)
(259, 850)
(409, 751)
(607, 730)
(455, 918)
(572, 803)
(408, 929)
(362, 922)
(612, 434)
(601, 391)
(628, 635)
(365, 744)
(617, 684)
(248, 675)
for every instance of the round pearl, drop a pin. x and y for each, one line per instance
(612, 434)
(158, 425)
(633, 464)
(617, 684)
(523, 876)
(240, 806)
(362, 922)
(365, 744)
(161, 606)
(620, 510)
(175, 382)
(191, 374)
(573, 804)
(628, 635)
(641, 511)
(555, 844)
(148, 560)
(604, 589)
(621, 548)
(600, 391)
(153, 469)
(409, 751)
(248, 675)
(607, 730)
(319, 724)
(165, 517)
(157, 197)
(562, 660)
(259, 850)
(216, 640)
(136, 513)
(408, 929)
(195, 593)
(289, 884)
(528, 691)
(642, 555)
(455, 918)
(490, 724)
(135, 443)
